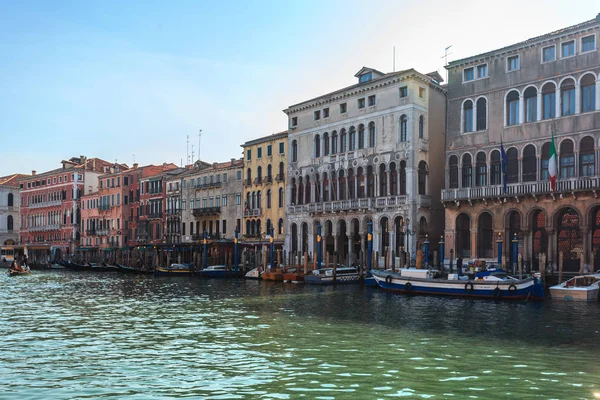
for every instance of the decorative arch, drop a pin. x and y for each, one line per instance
(485, 235)
(463, 236)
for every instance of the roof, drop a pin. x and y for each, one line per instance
(528, 42)
(12, 180)
(274, 136)
(364, 85)
(365, 70)
(223, 166)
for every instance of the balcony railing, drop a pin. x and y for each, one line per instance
(253, 212)
(522, 189)
(279, 178)
(46, 204)
(173, 212)
(350, 205)
(104, 207)
(200, 236)
(90, 232)
(247, 182)
(103, 232)
(258, 181)
(155, 215)
(43, 228)
(199, 212)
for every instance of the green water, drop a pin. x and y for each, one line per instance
(75, 335)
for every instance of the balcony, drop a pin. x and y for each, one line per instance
(371, 204)
(258, 181)
(104, 207)
(268, 180)
(103, 232)
(173, 212)
(204, 186)
(248, 182)
(44, 228)
(253, 212)
(423, 145)
(523, 189)
(279, 178)
(90, 232)
(200, 236)
(200, 212)
(46, 204)
(156, 215)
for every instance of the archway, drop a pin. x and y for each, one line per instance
(294, 231)
(328, 235)
(539, 238)
(570, 240)
(514, 227)
(485, 236)
(463, 236)
(342, 238)
(596, 238)
(304, 237)
(384, 234)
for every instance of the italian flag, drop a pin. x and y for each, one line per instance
(552, 164)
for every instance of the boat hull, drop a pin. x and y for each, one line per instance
(506, 290)
(172, 272)
(12, 272)
(220, 274)
(574, 294)
(272, 275)
(329, 280)
(253, 274)
(293, 277)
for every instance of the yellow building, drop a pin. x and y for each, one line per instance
(265, 165)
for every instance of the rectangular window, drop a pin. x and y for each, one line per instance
(343, 108)
(269, 150)
(468, 74)
(118, 199)
(568, 101)
(403, 92)
(371, 100)
(317, 115)
(549, 53)
(530, 109)
(422, 92)
(238, 199)
(512, 63)
(588, 98)
(513, 112)
(217, 201)
(259, 152)
(249, 155)
(361, 102)
(365, 77)
(294, 122)
(482, 71)
(224, 200)
(224, 177)
(224, 227)
(549, 100)
(588, 43)
(567, 49)
(281, 148)
(326, 112)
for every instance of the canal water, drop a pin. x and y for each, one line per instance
(77, 335)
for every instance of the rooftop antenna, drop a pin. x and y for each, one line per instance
(192, 154)
(187, 149)
(445, 57)
(199, 138)
(394, 61)
(133, 158)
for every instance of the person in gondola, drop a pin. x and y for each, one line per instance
(14, 266)
(459, 262)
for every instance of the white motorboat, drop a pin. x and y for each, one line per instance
(253, 274)
(579, 288)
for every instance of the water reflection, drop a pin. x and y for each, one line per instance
(87, 335)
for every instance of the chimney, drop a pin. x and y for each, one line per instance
(83, 161)
(94, 164)
(135, 165)
(232, 162)
(33, 172)
(214, 165)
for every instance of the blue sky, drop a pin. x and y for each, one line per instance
(112, 79)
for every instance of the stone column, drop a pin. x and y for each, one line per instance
(363, 243)
(473, 243)
(577, 98)
(597, 95)
(350, 255)
(521, 109)
(356, 186)
(474, 116)
(557, 103)
(585, 257)
(322, 188)
(376, 186)
(337, 189)
(311, 238)
(526, 245)
(388, 184)
(539, 105)
(552, 248)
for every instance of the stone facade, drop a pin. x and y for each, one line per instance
(364, 154)
(517, 97)
(206, 198)
(10, 222)
(264, 188)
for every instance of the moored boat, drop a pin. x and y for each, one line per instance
(578, 288)
(331, 276)
(14, 272)
(174, 270)
(294, 275)
(253, 274)
(273, 274)
(487, 285)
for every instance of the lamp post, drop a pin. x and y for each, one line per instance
(442, 251)
(499, 242)
(370, 245)
(204, 241)
(426, 245)
(319, 239)
(408, 231)
(235, 250)
(515, 244)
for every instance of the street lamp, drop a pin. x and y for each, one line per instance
(408, 231)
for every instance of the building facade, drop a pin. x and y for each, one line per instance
(363, 154)
(513, 100)
(210, 200)
(10, 222)
(264, 188)
(51, 201)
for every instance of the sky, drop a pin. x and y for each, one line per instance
(130, 80)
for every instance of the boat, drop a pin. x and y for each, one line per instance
(219, 271)
(578, 288)
(486, 284)
(75, 266)
(131, 270)
(330, 276)
(273, 274)
(56, 266)
(294, 275)
(104, 268)
(253, 274)
(14, 272)
(175, 270)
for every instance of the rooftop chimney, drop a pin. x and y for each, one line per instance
(232, 162)
(135, 165)
(214, 165)
(33, 172)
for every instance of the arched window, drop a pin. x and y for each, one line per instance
(361, 136)
(453, 172)
(421, 127)
(269, 198)
(512, 165)
(567, 97)
(403, 128)
(545, 160)
(326, 144)
(281, 166)
(307, 190)
(402, 178)
(529, 164)
(370, 182)
(280, 226)
(422, 177)
(9, 223)
(382, 181)
(512, 108)
(317, 145)
(249, 176)
(588, 93)
(485, 236)
(259, 174)
(393, 179)
(352, 139)
(468, 116)
(481, 114)
(480, 169)
(343, 141)
(549, 100)
(371, 134)
(530, 96)
(294, 151)
(269, 173)
(10, 200)
(294, 192)
(281, 202)
(300, 191)
(567, 159)
(586, 157)
(463, 236)
(467, 171)
(334, 142)
(248, 228)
